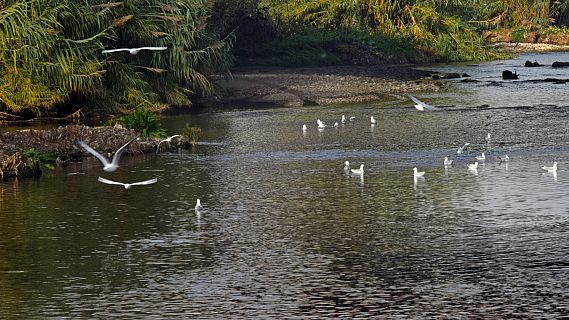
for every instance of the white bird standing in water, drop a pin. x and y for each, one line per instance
(447, 162)
(481, 157)
(198, 206)
(343, 118)
(134, 50)
(304, 128)
(128, 185)
(347, 166)
(108, 166)
(550, 169)
(420, 105)
(359, 171)
(168, 140)
(418, 174)
(321, 124)
(504, 158)
(373, 121)
(488, 137)
(472, 166)
(461, 149)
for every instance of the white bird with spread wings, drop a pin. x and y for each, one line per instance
(128, 185)
(135, 50)
(420, 105)
(108, 166)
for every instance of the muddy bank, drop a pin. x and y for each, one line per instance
(295, 87)
(21, 152)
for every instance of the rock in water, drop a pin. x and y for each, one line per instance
(509, 75)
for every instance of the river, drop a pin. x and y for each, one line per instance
(285, 233)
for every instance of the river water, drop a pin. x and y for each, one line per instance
(286, 234)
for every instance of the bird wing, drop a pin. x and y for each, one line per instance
(113, 50)
(152, 48)
(142, 183)
(421, 103)
(103, 180)
(92, 151)
(119, 152)
(465, 145)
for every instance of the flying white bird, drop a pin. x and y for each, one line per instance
(420, 105)
(551, 169)
(134, 50)
(461, 149)
(373, 121)
(321, 124)
(108, 166)
(448, 162)
(504, 158)
(359, 171)
(418, 174)
(128, 185)
(481, 157)
(198, 206)
(472, 166)
(168, 140)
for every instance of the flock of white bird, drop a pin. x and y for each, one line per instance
(113, 165)
(422, 106)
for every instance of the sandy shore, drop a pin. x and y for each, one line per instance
(295, 87)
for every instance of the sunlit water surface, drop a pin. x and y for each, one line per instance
(286, 234)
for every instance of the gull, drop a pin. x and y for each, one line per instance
(448, 162)
(472, 166)
(168, 140)
(504, 158)
(128, 185)
(108, 166)
(304, 127)
(373, 121)
(359, 171)
(488, 137)
(134, 50)
(336, 124)
(418, 174)
(481, 157)
(343, 119)
(352, 118)
(198, 206)
(551, 169)
(420, 105)
(347, 166)
(461, 149)
(321, 124)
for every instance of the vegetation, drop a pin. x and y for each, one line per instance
(144, 122)
(191, 134)
(52, 54)
(40, 159)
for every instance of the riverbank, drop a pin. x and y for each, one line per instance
(295, 87)
(24, 152)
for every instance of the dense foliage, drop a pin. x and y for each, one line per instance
(51, 53)
(448, 29)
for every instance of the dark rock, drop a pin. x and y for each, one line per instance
(465, 75)
(560, 64)
(469, 80)
(509, 75)
(530, 64)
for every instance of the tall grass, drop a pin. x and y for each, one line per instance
(447, 29)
